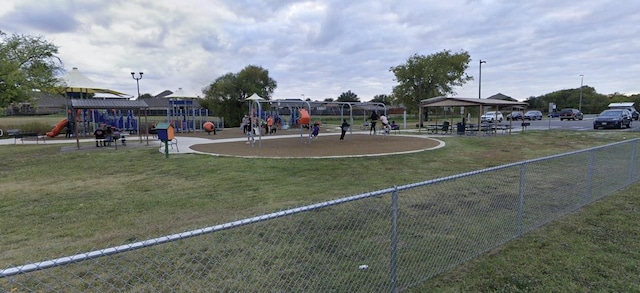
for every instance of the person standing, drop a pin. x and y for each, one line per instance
(385, 124)
(374, 119)
(269, 124)
(344, 127)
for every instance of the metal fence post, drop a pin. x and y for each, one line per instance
(587, 195)
(631, 162)
(394, 240)
(523, 168)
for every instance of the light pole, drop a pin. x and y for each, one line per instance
(581, 80)
(133, 74)
(480, 79)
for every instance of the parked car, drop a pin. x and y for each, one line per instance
(533, 115)
(515, 115)
(613, 118)
(491, 116)
(571, 114)
(553, 114)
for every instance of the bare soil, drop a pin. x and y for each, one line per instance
(327, 144)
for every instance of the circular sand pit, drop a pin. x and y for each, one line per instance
(325, 146)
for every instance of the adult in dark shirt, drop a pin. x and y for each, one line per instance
(344, 127)
(374, 119)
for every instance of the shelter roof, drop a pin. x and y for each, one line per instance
(459, 101)
(108, 104)
(500, 96)
(621, 105)
(315, 104)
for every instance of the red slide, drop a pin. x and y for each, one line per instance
(56, 130)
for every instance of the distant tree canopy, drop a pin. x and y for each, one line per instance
(348, 96)
(592, 101)
(423, 77)
(385, 99)
(227, 95)
(27, 63)
(328, 100)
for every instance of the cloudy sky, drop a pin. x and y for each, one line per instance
(320, 49)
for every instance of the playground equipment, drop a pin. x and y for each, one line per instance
(185, 117)
(304, 119)
(209, 127)
(166, 135)
(56, 130)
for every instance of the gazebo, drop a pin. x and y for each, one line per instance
(83, 104)
(444, 101)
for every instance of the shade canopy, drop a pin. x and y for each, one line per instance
(76, 82)
(179, 94)
(255, 97)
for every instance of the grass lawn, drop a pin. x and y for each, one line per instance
(54, 204)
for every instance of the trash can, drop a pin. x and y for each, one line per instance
(460, 127)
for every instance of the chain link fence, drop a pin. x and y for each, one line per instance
(384, 241)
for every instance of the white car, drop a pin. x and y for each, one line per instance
(491, 117)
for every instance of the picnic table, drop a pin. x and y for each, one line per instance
(442, 128)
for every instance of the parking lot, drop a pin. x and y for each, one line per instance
(582, 125)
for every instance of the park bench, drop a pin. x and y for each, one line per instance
(17, 134)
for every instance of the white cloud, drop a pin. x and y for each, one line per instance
(323, 48)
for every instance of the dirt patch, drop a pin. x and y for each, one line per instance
(323, 146)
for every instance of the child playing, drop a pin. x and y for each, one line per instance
(344, 127)
(315, 131)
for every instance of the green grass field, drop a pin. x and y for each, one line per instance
(54, 204)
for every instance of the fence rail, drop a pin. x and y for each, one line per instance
(384, 241)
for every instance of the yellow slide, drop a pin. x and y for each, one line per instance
(56, 130)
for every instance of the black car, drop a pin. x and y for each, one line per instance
(571, 114)
(515, 115)
(613, 118)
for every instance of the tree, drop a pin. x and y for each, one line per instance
(592, 102)
(385, 99)
(423, 77)
(227, 95)
(348, 96)
(27, 63)
(328, 100)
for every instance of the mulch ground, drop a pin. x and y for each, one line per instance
(324, 146)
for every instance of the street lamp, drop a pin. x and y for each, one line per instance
(480, 79)
(133, 74)
(581, 80)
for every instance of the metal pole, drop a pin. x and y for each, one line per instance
(133, 75)
(394, 241)
(581, 80)
(480, 79)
